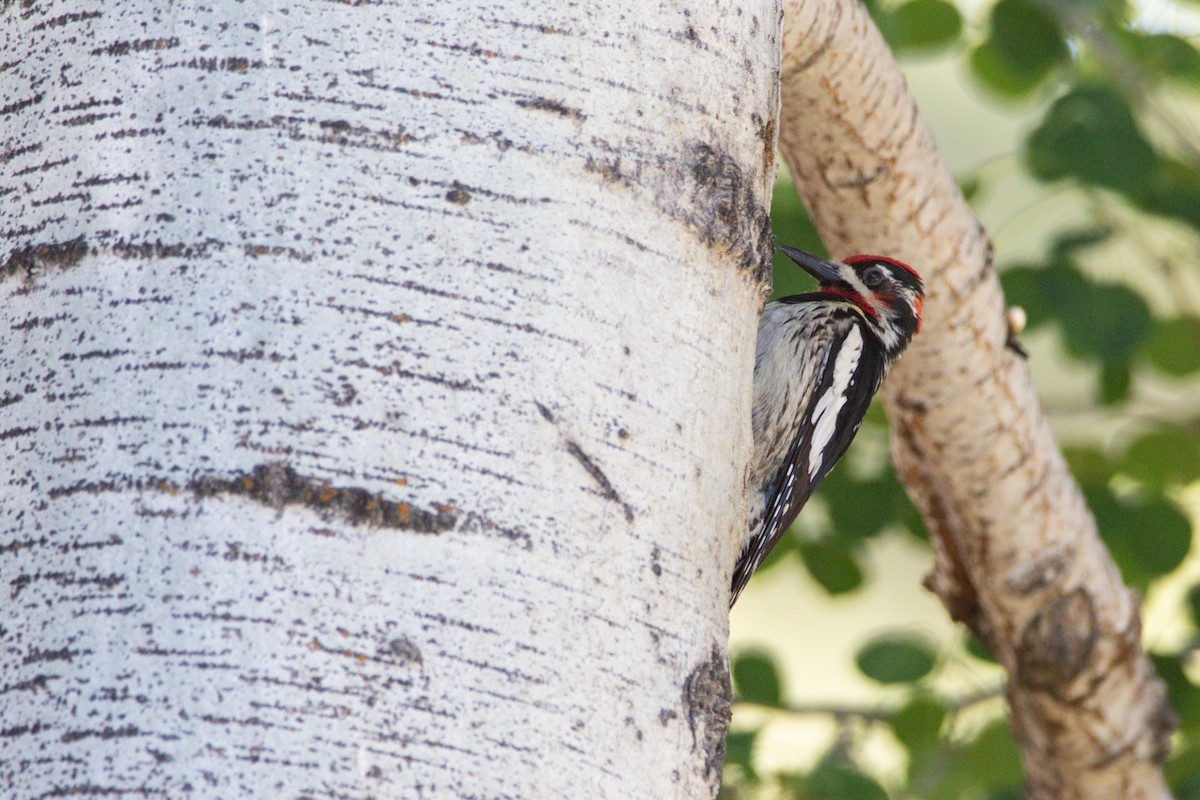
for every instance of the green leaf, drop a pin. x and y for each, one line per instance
(739, 751)
(919, 722)
(1164, 457)
(1024, 286)
(1162, 55)
(1115, 380)
(793, 228)
(1113, 522)
(1147, 537)
(992, 759)
(1183, 769)
(1024, 45)
(1091, 135)
(989, 65)
(920, 24)
(1108, 321)
(1088, 465)
(1105, 321)
(1174, 346)
(1063, 287)
(1071, 241)
(970, 185)
(860, 509)
(976, 647)
(1182, 694)
(756, 679)
(896, 658)
(1193, 603)
(831, 564)
(839, 781)
(913, 522)
(1163, 533)
(1174, 191)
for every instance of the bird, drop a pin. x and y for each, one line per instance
(819, 359)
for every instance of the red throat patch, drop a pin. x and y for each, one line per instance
(918, 304)
(853, 297)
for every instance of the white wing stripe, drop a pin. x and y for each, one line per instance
(825, 413)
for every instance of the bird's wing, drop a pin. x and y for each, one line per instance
(849, 374)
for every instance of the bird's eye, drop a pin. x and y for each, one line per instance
(873, 276)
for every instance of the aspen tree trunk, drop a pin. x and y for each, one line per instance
(374, 393)
(1018, 557)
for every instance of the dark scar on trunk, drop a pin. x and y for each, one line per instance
(278, 485)
(607, 490)
(35, 258)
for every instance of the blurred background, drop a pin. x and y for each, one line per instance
(1074, 129)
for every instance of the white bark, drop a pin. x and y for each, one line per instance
(1018, 556)
(374, 393)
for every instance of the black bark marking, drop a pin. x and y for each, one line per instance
(65, 654)
(553, 106)
(103, 733)
(31, 685)
(707, 695)
(606, 487)
(546, 413)
(22, 730)
(278, 485)
(160, 250)
(721, 202)
(32, 258)
(228, 64)
(257, 250)
(104, 422)
(310, 129)
(456, 385)
(63, 579)
(609, 169)
(18, 105)
(85, 119)
(124, 48)
(92, 487)
(1057, 643)
(767, 132)
(912, 405)
(458, 195)
(406, 650)
(708, 190)
(13, 433)
(9, 155)
(37, 322)
(67, 19)
(94, 354)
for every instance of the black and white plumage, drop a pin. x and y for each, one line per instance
(819, 360)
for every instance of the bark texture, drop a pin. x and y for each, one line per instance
(361, 403)
(1018, 558)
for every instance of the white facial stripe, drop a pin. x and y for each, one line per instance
(852, 278)
(825, 412)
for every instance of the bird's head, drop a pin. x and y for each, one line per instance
(887, 291)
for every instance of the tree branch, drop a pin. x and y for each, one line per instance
(872, 714)
(1018, 557)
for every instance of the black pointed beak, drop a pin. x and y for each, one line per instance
(824, 271)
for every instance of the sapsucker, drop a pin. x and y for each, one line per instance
(819, 359)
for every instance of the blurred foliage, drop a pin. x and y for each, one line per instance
(1104, 82)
